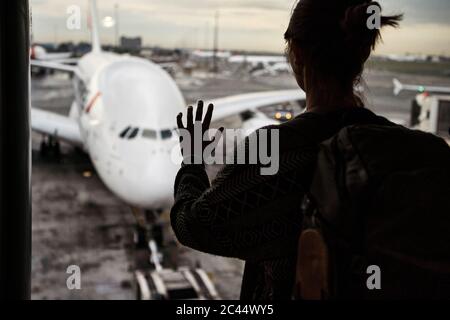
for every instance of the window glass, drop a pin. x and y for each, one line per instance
(149, 134)
(133, 133)
(166, 134)
(125, 132)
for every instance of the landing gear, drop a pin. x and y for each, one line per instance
(148, 228)
(156, 228)
(50, 147)
(141, 237)
(148, 239)
(158, 236)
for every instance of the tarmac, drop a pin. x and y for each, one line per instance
(78, 221)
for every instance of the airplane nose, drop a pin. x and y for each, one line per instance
(155, 187)
(161, 183)
(144, 179)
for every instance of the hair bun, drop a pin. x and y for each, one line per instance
(329, 41)
(356, 17)
(357, 32)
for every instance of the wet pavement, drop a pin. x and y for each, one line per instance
(77, 221)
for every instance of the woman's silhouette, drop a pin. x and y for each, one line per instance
(245, 215)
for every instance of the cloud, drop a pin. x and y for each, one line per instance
(419, 11)
(419, 38)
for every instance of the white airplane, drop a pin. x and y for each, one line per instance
(124, 117)
(273, 70)
(265, 65)
(406, 58)
(206, 54)
(256, 60)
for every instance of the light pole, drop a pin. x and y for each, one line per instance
(116, 18)
(216, 43)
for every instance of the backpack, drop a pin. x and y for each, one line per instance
(377, 217)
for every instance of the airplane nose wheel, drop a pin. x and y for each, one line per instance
(148, 228)
(141, 236)
(148, 238)
(157, 233)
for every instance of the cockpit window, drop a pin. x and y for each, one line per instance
(166, 134)
(133, 133)
(149, 134)
(129, 133)
(125, 132)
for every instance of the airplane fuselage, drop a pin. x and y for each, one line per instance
(126, 109)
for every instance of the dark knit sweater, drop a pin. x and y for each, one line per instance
(256, 218)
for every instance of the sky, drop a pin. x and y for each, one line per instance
(255, 25)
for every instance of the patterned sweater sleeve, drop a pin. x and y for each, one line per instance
(242, 214)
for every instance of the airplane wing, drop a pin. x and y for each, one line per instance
(67, 61)
(55, 66)
(399, 87)
(229, 106)
(53, 124)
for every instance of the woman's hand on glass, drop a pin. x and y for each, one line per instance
(193, 137)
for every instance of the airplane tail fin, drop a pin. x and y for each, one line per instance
(398, 87)
(94, 26)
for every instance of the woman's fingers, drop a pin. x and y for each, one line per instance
(198, 116)
(180, 121)
(220, 132)
(199, 113)
(208, 117)
(190, 117)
